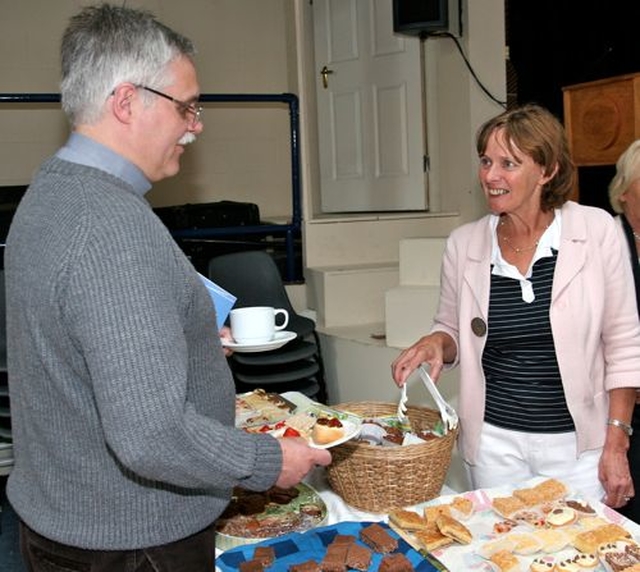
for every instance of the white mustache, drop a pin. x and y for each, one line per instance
(187, 138)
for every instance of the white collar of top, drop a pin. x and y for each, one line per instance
(549, 239)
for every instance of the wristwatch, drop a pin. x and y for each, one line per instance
(621, 425)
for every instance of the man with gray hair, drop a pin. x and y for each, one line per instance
(122, 402)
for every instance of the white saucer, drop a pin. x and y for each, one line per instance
(279, 339)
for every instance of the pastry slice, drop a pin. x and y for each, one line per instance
(551, 490)
(525, 542)
(505, 561)
(529, 497)
(408, 520)
(461, 508)
(552, 540)
(431, 513)
(507, 506)
(589, 540)
(454, 529)
(432, 539)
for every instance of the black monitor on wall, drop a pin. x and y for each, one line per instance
(420, 17)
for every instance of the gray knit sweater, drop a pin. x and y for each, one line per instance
(122, 401)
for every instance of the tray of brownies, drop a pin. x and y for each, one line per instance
(363, 546)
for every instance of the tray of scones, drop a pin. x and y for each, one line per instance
(538, 526)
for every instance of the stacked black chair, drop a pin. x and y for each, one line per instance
(254, 278)
(6, 447)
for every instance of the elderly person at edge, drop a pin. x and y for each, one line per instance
(624, 196)
(537, 307)
(122, 402)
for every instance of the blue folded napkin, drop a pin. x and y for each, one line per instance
(299, 547)
(223, 301)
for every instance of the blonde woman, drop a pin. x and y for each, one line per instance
(624, 196)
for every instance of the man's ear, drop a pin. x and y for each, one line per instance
(122, 100)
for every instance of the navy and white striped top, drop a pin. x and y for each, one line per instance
(524, 388)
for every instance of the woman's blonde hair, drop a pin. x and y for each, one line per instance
(627, 171)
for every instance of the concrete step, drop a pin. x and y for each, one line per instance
(409, 313)
(420, 260)
(350, 295)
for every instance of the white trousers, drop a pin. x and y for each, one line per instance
(508, 457)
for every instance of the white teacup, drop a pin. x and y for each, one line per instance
(256, 324)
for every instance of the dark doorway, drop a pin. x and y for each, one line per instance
(555, 43)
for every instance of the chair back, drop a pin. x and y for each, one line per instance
(254, 279)
(3, 324)
(6, 447)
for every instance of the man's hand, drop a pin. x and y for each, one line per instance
(225, 336)
(298, 459)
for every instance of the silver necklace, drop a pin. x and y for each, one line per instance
(636, 235)
(520, 249)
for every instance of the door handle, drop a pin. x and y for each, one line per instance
(324, 72)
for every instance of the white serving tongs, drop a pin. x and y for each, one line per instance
(402, 409)
(448, 413)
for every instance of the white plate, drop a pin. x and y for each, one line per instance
(279, 340)
(350, 422)
(351, 430)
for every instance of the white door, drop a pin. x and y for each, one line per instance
(369, 109)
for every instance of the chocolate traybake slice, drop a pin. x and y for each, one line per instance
(335, 559)
(264, 554)
(358, 557)
(307, 566)
(395, 563)
(251, 566)
(378, 539)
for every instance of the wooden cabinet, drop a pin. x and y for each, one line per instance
(601, 119)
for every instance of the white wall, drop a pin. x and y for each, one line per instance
(243, 46)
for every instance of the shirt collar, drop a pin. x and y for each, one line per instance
(549, 240)
(86, 151)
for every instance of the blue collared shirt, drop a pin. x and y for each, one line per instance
(85, 151)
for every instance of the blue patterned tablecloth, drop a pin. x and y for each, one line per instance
(296, 548)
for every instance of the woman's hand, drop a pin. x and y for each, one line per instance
(435, 349)
(613, 470)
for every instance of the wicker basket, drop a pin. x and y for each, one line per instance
(378, 479)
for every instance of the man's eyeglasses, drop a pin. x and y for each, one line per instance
(184, 108)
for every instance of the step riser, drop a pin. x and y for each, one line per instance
(345, 297)
(409, 313)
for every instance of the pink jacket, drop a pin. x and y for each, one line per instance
(593, 318)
